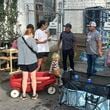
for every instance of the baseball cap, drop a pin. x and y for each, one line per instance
(68, 25)
(92, 23)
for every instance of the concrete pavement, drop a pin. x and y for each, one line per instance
(44, 101)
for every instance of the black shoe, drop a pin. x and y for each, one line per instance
(34, 97)
(23, 97)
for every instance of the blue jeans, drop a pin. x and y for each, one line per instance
(91, 61)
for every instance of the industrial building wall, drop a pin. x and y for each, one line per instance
(76, 19)
(81, 4)
(26, 14)
(73, 12)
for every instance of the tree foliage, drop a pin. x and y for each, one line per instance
(2, 14)
(8, 19)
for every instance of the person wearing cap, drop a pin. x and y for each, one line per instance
(68, 40)
(93, 48)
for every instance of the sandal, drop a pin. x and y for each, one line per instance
(34, 97)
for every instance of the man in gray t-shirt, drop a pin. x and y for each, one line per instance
(91, 44)
(93, 47)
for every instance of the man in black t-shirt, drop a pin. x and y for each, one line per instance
(68, 40)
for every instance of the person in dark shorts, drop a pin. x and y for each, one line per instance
(43, 54)
(41, 37)
(27, 60)
(68, 41)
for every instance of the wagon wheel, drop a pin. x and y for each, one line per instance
(51, 90)
(14, 93)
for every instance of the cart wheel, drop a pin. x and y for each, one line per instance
(51, 90)
(14, 93)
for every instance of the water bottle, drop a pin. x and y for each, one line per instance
(6, 46)
(76, 77)
(89, 81)
(89, 86)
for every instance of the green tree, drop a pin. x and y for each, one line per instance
(8, 19)
(1, 11)
(2, 18)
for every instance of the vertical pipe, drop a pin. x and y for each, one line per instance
(27, 9)
(35, 14)
(63, 13)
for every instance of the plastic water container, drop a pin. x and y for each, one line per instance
(100, 64)
(100, 61)
(6, 46)
(99, 68)
(89, 86)
(89, 81)
(83, 56)
(76, 77)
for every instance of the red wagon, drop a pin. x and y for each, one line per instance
(44, 81)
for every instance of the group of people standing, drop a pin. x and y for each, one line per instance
(93, 47)
(37, 42)
(29, 44)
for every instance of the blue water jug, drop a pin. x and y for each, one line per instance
(76, 77)
(89, 81)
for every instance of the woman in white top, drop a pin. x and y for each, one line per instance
(41, 37)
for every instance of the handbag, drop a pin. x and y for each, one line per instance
(29, 46)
